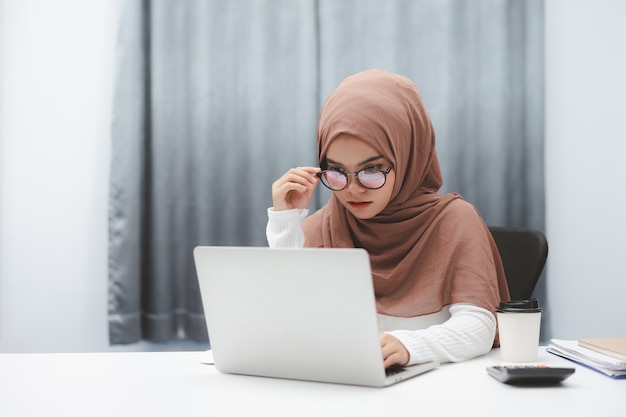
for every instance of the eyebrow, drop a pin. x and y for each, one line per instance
(367, 161)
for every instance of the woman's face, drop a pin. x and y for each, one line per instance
(349, 154)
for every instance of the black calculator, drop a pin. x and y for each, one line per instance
(529, 374)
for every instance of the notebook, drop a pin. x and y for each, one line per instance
(611, 346)
(304, 314)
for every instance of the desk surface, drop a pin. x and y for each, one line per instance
(176, 383)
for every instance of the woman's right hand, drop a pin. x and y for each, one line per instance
(295, 188)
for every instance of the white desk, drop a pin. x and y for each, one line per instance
(176, 384)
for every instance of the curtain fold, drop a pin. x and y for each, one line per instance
(199, 135)
(214, 100)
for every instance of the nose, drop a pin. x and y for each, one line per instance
(354, 185)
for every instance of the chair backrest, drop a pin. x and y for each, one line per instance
(524, 253)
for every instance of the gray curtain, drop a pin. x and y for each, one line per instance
(214, 100)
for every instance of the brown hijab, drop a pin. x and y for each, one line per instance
(427, 250)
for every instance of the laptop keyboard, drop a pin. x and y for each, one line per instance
(393, 370)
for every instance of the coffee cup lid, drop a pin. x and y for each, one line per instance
(519, 306)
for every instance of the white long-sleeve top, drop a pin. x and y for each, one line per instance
(456, 333)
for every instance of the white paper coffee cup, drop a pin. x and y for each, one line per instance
(519, 324)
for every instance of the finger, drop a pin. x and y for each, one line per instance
(295, 181)
(309, 173)
(297, 176)
(295, 188)
(302, 189)
(310, 170)
(386, 346)
(392, 355)
(292, 195)
(393, 351)
(394, 359)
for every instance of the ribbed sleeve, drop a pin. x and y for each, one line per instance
(469, 332)
(283, 228)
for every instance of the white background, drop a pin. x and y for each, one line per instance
(56, 74)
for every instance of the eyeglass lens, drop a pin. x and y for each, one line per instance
(368, 178)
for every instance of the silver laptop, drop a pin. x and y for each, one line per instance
(305, 314)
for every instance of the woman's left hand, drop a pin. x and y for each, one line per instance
(394, 352)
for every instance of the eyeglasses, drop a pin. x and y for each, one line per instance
(370, 178)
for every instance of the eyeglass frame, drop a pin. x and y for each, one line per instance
(356, 177)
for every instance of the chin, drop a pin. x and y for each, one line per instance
(362, 215)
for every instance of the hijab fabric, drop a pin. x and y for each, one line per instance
(427, 250)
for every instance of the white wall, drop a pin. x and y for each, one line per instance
(54, 139)
(55, 98)
(586, 166)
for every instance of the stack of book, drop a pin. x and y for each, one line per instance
(605, 355)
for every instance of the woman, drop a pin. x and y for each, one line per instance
(437, 273)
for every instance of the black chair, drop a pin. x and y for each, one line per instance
(524, 253)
